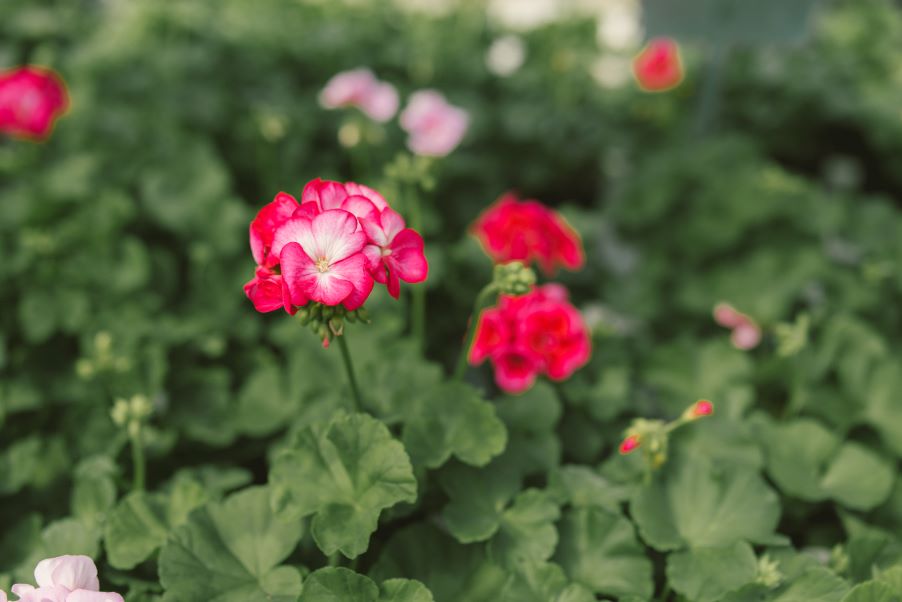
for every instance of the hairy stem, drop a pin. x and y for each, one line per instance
(484, 297)
(349, 368)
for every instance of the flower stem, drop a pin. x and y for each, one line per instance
(418, 293)
(349, 368)
(482, 300)
(138, 461)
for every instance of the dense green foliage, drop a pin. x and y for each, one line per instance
(123, 249)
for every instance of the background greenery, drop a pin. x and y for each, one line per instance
(768, 179)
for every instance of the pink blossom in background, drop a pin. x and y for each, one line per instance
(533, 334)
(330, 248)
(658, 66)
(31, 99)
(435, 128)
(63, 579)
(746, 332)
(359, 88)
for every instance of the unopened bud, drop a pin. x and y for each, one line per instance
(120, 412)
(769, 574)
(514, 278)
(629, 444)
(303, 316)
(336, 326)
(699, 409)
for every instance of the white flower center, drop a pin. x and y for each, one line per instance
(385, 251)
(322, 265)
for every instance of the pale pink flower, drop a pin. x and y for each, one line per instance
(435, 127)
(64, 579)
(359, 88)
(746, 332)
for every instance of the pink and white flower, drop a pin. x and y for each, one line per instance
(394, 251)
(359, 88)
(435, 126)
(322, 259)
(63, 579)
(330, 248)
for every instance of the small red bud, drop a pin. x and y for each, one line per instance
(702, 407)
(629, 444)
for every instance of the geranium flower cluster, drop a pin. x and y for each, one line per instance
(31, 99)
(746, 332)
(525, 336)
(658, 67)
(434, 126)
(359, 88)
(515, 230)
(330, 248)
(63, 579)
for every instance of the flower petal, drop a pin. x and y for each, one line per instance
(71, 572)
(297, 269)
(353, 188)
(81, 595)
(407, 258)
(360, 207)
(354, 271)
(296, 229)
(336, 236)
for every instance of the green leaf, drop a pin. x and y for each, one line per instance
(809, 462)
(527, 534)
(599, 549)
(94, 492)
(478, 497)
(135, 528)
(229, 551)
(344, 472)
(872, 591)
(453, 419)
(815, 585)
(581, 486)
(535, 411)
(338, 584)
(706, 574)
(450, 570)
(858, 478)
(696, 504)
(404, 590)
(543, 582)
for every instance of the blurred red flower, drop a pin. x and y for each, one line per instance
(31, 99)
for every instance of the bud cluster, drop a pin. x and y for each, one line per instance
(653, 435)
(328, 321)
(514, 278)
(132, 413)
(101, 358)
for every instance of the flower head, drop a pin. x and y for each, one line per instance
(511, 229)
(63, 579)
(359, 88)
(435, 127)
(329, 249)
(658, 66)
(31, 99)
(536, 333)
(746, 332)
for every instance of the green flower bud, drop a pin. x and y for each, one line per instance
(514, 278)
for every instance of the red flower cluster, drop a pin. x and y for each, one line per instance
(31, 98)
(536, 333)
(330, 248)
(515, 230)
(658, 67)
